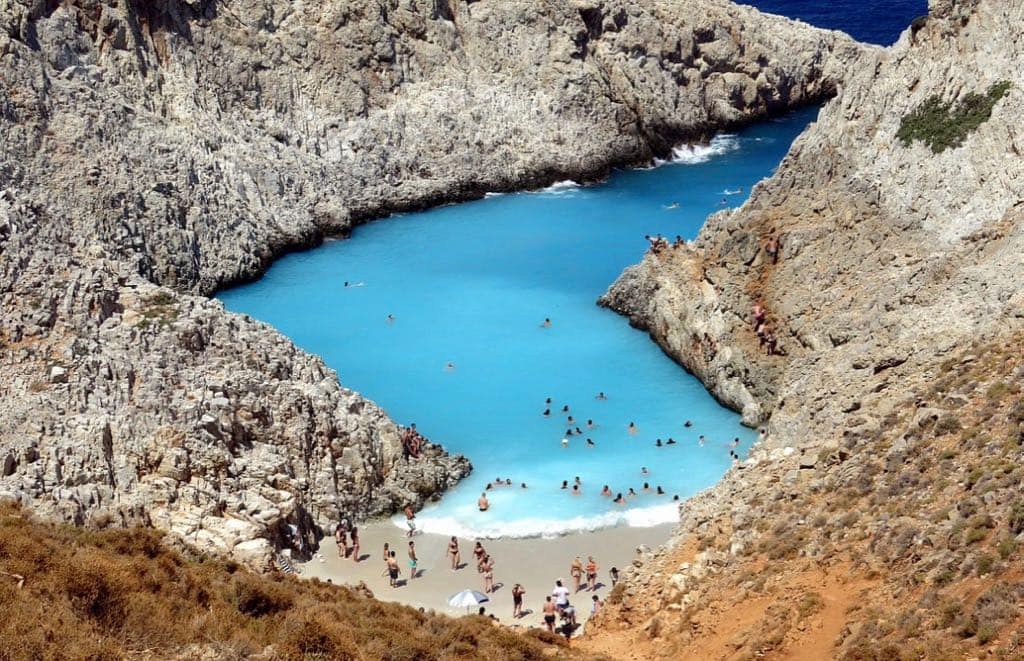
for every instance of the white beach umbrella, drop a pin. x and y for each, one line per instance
(467, 599)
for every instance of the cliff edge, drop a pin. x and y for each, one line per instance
(864, 309)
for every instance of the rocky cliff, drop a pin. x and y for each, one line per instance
(154, 151)
(899, 222)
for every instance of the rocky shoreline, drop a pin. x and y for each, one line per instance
(155, 152)
(890, 403)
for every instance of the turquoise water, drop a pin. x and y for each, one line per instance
(471, 285)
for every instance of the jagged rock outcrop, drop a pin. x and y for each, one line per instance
(186, 143)
(893, 406)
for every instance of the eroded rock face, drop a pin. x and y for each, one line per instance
(891, 255)
(897, 301)
(153, 151)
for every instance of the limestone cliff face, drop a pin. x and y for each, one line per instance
(898, 304)
(186, 143)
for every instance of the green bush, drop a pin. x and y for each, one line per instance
(942, 125)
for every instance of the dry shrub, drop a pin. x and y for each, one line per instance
(113, 594)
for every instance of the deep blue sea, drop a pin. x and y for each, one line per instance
(442, 324)
(872, 21)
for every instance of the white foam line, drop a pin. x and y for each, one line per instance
(694, 154)
(641, 517)
(561, 187)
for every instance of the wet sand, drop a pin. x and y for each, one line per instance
(535, 563)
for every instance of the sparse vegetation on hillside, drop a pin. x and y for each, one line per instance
(78, 594)
(907, 540)
(942, 125)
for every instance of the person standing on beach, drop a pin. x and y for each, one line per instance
(479, 552)
(412, 560)
(387, 552)
(488, 571)
(549, 614)
(393, 570)
(354, 534)
(576, 571)
(561, 595)
(482, 502)
(591, 573)
(339, 539)
(517, 600)
(453, 553)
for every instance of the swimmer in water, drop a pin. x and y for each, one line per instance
(590, 424)
(631, 492)
(565, 442)
(523, 485)
(619, 500)
(579, 432)
(565, 409)
(660, 491)
(657, 443)
(547, 323)
(568, 432)
(632, 428)
(643, 470)
(450, 366)
(601, 395)
(647, 487)
(670, 441)
(700, 440)
(577, 481)
(546, 413)
(606, 491)
(391, 318)
(590, 442)
(571, 420)
(565, 484)
(575, 489)
(674, 205)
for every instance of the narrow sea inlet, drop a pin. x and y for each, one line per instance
(442, 324)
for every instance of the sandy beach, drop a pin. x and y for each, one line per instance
(535, 563)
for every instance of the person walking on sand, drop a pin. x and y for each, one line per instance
(410, 520)
(517, 600)
(453, 553)
(591, 573)
(488, 572)
(576, 571)
(549, 614)
(354, 534)
(412, 560)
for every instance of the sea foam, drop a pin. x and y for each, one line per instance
(639, 517)
(695, 154)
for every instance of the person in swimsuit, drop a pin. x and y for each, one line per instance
(410, 517)
(479, 553)
(591, 573)
(412, 560)
(619, 500)
(517, 600)
(606, 491)
(549, 614)
(488, 572)
(354, 534)
(339, 539)
(576, 571)
(631, 492)
(453, 552)
(387, 552)
(482, 502)
(393, 570)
